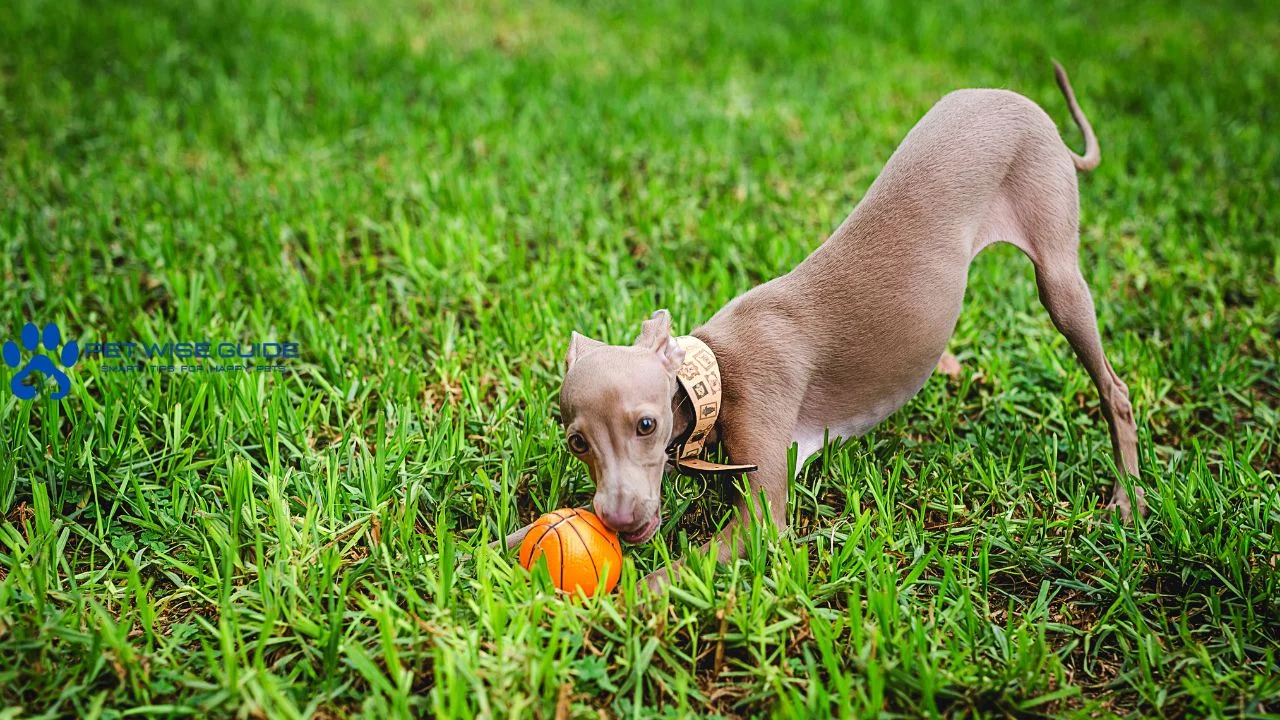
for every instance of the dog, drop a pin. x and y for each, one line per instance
(853, 332)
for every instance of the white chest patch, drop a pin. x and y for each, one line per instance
(809, 437)
(810, 432)
(808, 440)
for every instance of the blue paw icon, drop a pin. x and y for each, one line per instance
(43, 364)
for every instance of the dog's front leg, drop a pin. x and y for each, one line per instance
(767, 447)
(513, 540)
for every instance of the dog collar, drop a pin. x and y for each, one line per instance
(699, 378)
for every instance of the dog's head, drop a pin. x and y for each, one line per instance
(616, 409)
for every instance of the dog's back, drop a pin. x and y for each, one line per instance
(878, 301)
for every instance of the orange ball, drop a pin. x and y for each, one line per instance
(579, 550)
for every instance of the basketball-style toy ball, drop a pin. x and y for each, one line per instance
(579, 550)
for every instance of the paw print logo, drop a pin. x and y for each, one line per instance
(43, 364)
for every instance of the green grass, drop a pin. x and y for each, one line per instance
(429, 198)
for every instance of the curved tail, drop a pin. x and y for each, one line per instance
(1091, 153)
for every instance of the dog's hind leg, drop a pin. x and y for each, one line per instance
(1065, 295)
(1039, 207)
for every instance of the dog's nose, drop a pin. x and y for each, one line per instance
(620, 516)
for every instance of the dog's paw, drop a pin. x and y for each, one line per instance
(948, 365)
(1120, 501)
(655, 582)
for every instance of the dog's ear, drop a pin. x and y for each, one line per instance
(655, 335)
(579, 345)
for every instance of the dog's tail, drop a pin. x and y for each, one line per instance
(1091, 153)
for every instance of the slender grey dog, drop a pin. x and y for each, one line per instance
(852, 333)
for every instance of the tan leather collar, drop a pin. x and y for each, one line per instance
(699, 377)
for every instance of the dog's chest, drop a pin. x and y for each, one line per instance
(809, 436)
(811, 431)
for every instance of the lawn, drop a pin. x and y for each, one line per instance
(427, 199)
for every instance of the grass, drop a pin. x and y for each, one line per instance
(429, 198)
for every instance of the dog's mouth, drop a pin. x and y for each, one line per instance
(641, 536)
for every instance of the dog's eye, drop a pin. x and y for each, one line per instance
(578, 444)
(646, 426)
